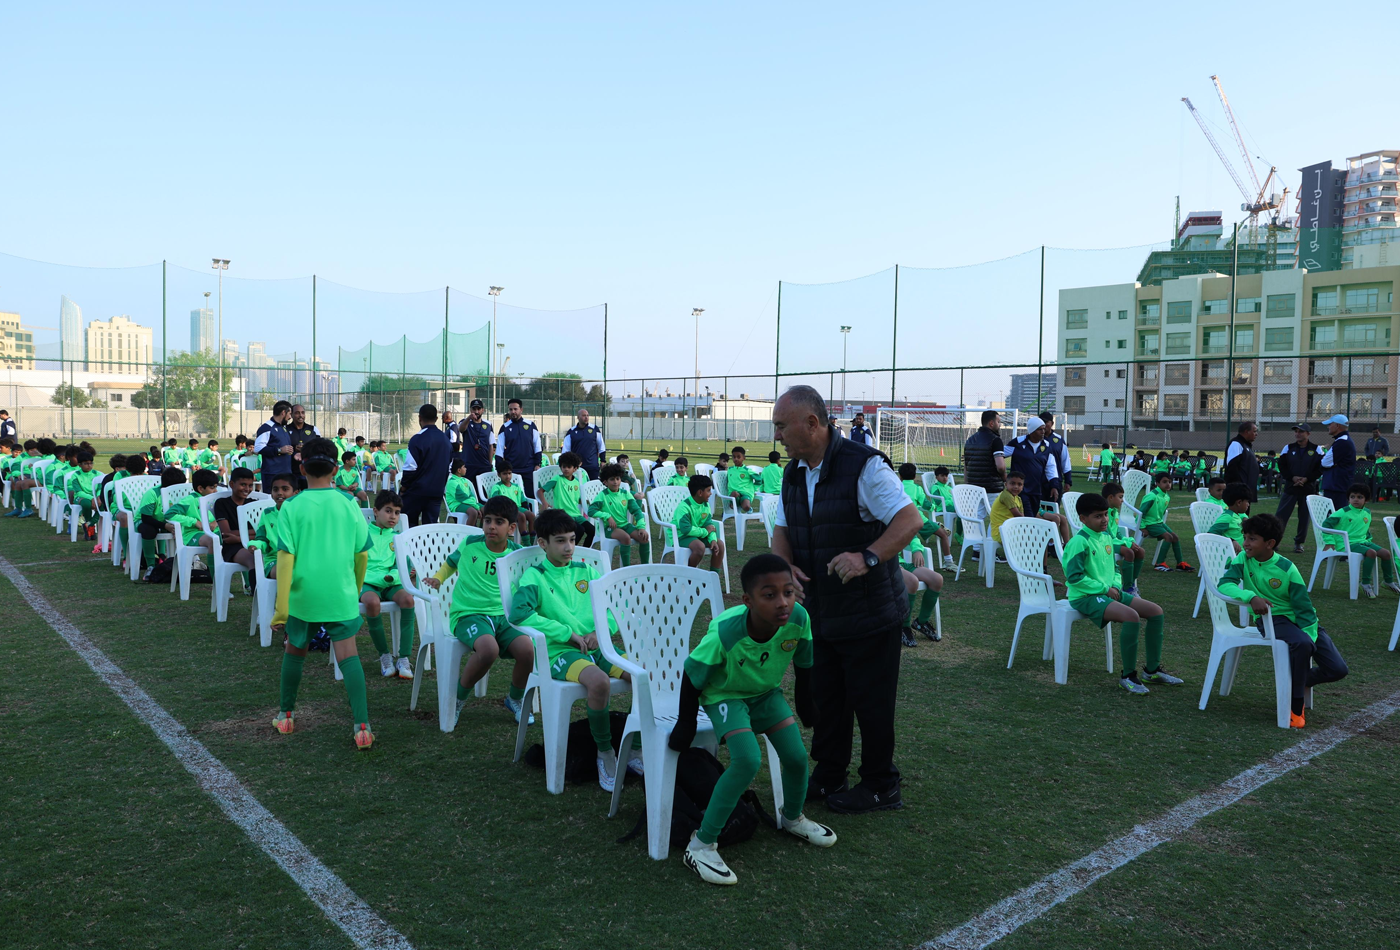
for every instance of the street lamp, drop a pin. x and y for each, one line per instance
(220, 264)
(695, 312)
(845, 337)
(495, 293)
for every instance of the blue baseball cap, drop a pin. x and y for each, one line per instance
(1338, 419)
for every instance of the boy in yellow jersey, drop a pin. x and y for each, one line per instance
(694, 526)
(506, 487)
(736, 673)
(477, 617)
(382, 582)
(323, 544)
(460, 494)
(562, 492)
(553, 598)
(620, 514)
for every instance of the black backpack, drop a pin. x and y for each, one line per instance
(581, 753)
(697, 771)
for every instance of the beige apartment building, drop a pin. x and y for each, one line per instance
(16, 343)
(119, 346)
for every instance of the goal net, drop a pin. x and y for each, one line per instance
(932, 437)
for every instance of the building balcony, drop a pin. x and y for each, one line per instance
(1216, 349)
(1360, 180)
(1149, 321)
(1367, 226)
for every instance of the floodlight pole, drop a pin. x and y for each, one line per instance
(221, 264)
(695, 312)
(164, 357)
(845, 338)
(1040, 352)
(494, 370)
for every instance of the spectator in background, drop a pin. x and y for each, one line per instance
(1299, 468)
(1241, 465)
(425, 471)
(274, 443)
(477, 444)
(519, 444)
(1375, 445)
(7, 427)
(860, 432)
(984, 455)
(1338, 462)
(1060, 449)
(586, 441)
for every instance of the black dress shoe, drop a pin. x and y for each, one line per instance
(863, 799)
(816, 793)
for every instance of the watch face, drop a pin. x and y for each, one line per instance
(871, 560)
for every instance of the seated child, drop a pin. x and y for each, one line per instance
(722, 462)
(729, 673)
(915, 570)
(1270, 584)
(740, 480)
(682, 476)
(694, 526)
(240, 484)
(629, 479)
(553, 598)
(151, 514)
(1094, 592)
(1007, 504)
(1355, 520)
(1216, 487)
(323, 544)
(282, 487)
(210, 458)
(932, 528)
(1227, 525)
(183, 515)
(506, 488)
(189, 456)
(477, 617)
(1132, 556)
(347, 479)
(81, 491)
(621, 515)
(564, 489)
(771, 481)
(1154, 519)
(460, 494)
(382, 582)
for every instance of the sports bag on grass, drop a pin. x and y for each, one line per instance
(697, 771)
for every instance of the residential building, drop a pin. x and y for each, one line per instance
(70, 330)
(118, 345)
(16, 343)
(1202, 247)
(1369, 223)
(117, 395)
(1320, 197)
(1032, 392)
(202, 330)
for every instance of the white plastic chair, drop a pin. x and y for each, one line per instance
(768, 508)
(1228, 640)
(1068, 500)
(74, 512)
(1203, 494)
(729, 509)
(185, 554)
(646, 466)
(427, 547)
(974, 509)
(556, 698)
(661, 474)
(168, 496)
(127, 497)
(1024, 540)
(545, 475)
(1134, 483)
(663, 503)
(58, 502)
(655, 606)
(223, 571)
(41, 494)
(1203, 516)
(489, 480)
(1394, 547)
(947, 515)
(264, 587)
(704, 468)
(1319, 510)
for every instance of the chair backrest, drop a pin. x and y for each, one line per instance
(173, 493)
(545, 475)
(1390, 534)
(1203, 515)
(489, 480)
(655, 606)
(971, 503)
(1135, 482)
(755, 470)
(248, 517)
(400, 526)
(664, 501)
(1068, 507)
(1024, 540)
(129, 490)
(1202, 494)
(512, 567)
(206, 504)
(704, 468)
(589, 493)
(1320, 508)
(426, 547)
(661, 474)
(646, 465)
(768, 508)
(1215, 553)
(721, 479)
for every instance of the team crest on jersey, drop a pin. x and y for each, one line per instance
(581, 587)
(1108, 549)
(789, 646)
(1275, 583)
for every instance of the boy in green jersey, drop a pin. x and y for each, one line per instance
(933, 528)
(1355, 520)
(620, 515)
(1162, 464)
(625, 463)
(323, 544)
(460, 493)
(347, 479)
(151, 514)
(210, 458)
(22, 482)
(1131, 556)
(1270, 584)
(1154, 519)
(695, 528)
(682, 476)
(563, 492)
(477, 617)
(736, 672)
(1215, 491)
(506, 487)
(1106, 462)
(915, 569)
(740, 479)
(553, 598)
(770, 482)
(281, 488)
(1227, 525)
(182, 517)
(342, 443)
(80, 492)
(382, 582)
(189, 455)
(383, 461)
(1094, 592)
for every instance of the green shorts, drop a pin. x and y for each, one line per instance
(1093, 607)
(568, 665)
(758, 713)
(385, 593)
(1155, 530)
(628, 528)
(299, 632)
(473, 627)
(738, 493)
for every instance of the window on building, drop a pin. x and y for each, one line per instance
(1076, 319)
(1321, 404)
(1118, 404)
(116, 397)
(1364, 335)
(1248, 304)
(1076, 349)
(1147, 404)
(1105, 403)
(1074, 376)
(1108, 314)
(1220, 305)
(1276, 371)
(1121, 373)
(1107, 344)
(1212, 371)
(1122, 314)
(1244, 369)
(1244, 339)
(1282, 305)
(1073, 405)
(1215, 340)
(1324, 303)
(1360, 299)
(1277, 404)
(1178, 344)
(1323, 336)
(1147, 344)
(1122, 344)
(1177, 404)
(1278, 339)
(1244, 403)
(1149, 308)
(1179, 311)
(1147, 374)
(1177, 374)
(1213, 401)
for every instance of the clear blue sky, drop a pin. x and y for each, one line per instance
(653, 157)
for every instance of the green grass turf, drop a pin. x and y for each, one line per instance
(1007, 777)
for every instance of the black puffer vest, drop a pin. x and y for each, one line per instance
(978, 466)
(870, 605)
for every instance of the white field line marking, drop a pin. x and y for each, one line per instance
(361, 924)
(1004, 918)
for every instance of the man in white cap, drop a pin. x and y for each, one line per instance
(1338, 462)
(1030, 455)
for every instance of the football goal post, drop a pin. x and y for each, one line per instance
(933, 437)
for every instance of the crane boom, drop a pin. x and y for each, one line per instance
(1218, 150)
(1239, 139)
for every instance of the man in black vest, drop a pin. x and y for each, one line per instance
(586, 442)
(1241, 465)
(1299, 468)
(425, 470)
(984, 461)
(842, 523)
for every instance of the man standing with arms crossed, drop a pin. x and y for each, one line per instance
(1299, 468)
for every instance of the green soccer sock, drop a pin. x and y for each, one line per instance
(1125, 571)
(929, 603)
(644, 552)
(626, 550)
(911, 604)
(354, 672)
(792, 759)
(463, 691)
(733, 782)
(517, 693)
(1387, 570)
(408, 625)
(1127, 645)
(376, 633)
(600, 728)
(1137, 569)
(291, 679)
(1154, 637)
(1176, 551)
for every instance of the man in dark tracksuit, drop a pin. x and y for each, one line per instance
(425, 471)
(519, 444)
(478, 442)
(1299, 468)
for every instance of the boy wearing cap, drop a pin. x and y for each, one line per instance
(1338, 462)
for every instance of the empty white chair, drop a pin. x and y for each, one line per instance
(1228, 640)
(1024, 540)
(655, 607)
(264, 587)
(768, 507)
(703, 468)
(975, 511)
(729, 509)
(1319, 510)
(1203, 515)
(663, 503)
(556, 698)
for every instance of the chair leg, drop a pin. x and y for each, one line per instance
(775, 774)
(555, 719)
(1062, 627)
(1200, 595)
(661, 797)
(615, 800)
(1048, 653)
(989, 560)
(1283, 683)
(1231, 666)
(1108, 643)
(1354, 573)
(1015, 636)
(417, 676)
(532, 694)
(1211, 668)
(1395, 631)
(449, 671)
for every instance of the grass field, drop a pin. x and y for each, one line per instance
(1008, 776)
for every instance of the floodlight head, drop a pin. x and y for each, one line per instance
(696, 311)
(495, 291)
(845, 329)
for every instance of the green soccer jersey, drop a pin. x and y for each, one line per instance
(460, 494)
(618, 505)
(739, 481)
(208, 459)
(347, 480)
(1154, 507)
(382, 461)
(478, 589)
(564, 494)
(1114, 530)
(383, 567)
(772, 479)
(150, 504)
(1089, 566)
(1161, 465)
(1228, 525)
(265, 536)
(400, 458)
(728, 663)
(693, 522)
(343, 445)
(1212, 500)
(554, 600)
(1278, 582)
(514, 492)
(81, 484)
(184, 514)
(915, 491)
(324, 530)
(1356, 522)
(942, 497)
(682, 481)
(1106, 458)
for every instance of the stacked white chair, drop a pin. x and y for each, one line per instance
(1394, 547)
(555, 698)
(655, 606)
(974, 509)
(1319, 510)
(663, 503)
(1024, 540)
(768, 508)
(1228, 641)
(729, 509)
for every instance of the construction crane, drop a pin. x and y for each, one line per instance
(1259, 200)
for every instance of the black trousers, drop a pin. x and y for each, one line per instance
(1303, 653)
(1285, 508)
(855, 680)
(1340, 498)
(416, 507)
